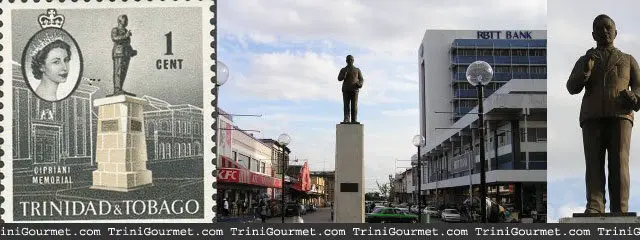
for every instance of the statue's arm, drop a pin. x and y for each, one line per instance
(360, 78)
(634, 83)
(578, 78)
(115, 36)
(341, 74)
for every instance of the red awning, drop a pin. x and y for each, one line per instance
(232, 172)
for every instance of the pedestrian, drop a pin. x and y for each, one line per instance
(263, 211)
(226, 207)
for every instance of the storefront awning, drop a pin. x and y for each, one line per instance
(232, 172)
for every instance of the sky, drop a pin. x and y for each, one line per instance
(93, 36)
(569, 37)
(284, 58)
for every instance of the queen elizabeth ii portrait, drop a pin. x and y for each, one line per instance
(52, 64)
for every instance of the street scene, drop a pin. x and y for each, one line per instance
(324, 118)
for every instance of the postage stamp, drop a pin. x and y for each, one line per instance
(106, 111)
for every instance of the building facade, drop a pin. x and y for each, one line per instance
(245, 171)
(443, 58)
(515, 118)
(45, 133)
(173, 131)
(329, 179)
(317, 192)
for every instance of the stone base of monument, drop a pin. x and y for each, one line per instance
(349, 178)
(629, 217)
(121, 147)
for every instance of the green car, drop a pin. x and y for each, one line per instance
(391, 215)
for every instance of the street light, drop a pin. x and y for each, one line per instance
(283, 140)
(222, 75)
(479, 73)
(418, 141)
(222, 72)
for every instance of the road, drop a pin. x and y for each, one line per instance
(322, 215)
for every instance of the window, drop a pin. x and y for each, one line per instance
(538, 69)
(502, 69)
(538, 52)
(502, 52)
(243, 160)
(519, 52)
(460, 69)
(520, 69)
(467, 52)
(541, 134)
(485, 52)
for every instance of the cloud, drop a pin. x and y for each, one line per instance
(380, 26)
(411, 112)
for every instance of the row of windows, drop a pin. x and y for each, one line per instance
(507, 69)
(168, 151)
(438, 171)
(504, 138)
(250, 163)
(492, 86)
(500, 52)
(184, 127)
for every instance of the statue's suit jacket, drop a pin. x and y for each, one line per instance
(352, 79)
(608, 77)
(122, 43)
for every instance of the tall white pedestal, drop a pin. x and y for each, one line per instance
(121, 147)
(349, 182)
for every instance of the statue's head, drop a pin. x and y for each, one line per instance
(604, 30)
(349, 59)
(123, 20)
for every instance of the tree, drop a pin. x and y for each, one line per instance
(392, 188)
(372, 196)
(384, 190)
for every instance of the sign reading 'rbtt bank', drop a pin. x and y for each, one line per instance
(504, 34)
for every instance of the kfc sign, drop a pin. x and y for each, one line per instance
(229, 175)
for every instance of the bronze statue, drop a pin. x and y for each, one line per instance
(352, 82)
(611, 80)
(122, 53)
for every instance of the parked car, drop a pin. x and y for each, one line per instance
(311, 207)
(450, 215)
(431, 211)
(414, 209)
(495, 212)
(391, 215)
(294, 209)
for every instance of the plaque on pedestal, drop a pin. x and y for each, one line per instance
(121, 148)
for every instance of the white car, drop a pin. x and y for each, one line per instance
(451, 215)
(430, 210)
(414, 209)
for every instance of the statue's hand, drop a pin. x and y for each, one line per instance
(629, 96)
(591, 55)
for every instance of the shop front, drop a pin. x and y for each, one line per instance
(243, 189)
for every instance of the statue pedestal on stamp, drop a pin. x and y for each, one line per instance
(121, 148)
(349, 183)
